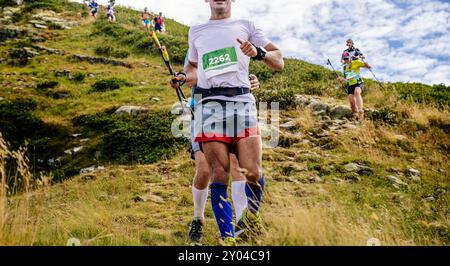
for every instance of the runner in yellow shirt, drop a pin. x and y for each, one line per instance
(354, 84)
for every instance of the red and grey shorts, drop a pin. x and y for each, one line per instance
(225, 121)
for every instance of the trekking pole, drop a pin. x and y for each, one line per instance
(334, 70)
(166, 59)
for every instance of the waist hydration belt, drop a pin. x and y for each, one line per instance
(221, 91)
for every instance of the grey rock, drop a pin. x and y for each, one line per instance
(323, 134)
(100, 60)
(430, 198)
(320, 113)
(302, 100)
(397, 182)
(400, 138)
(156, 99)
(31, 52)
(40, 26)
(414, 174)
(34, 21)
(351, 167)
(49, 50)
(288, 125)
(350, 126)
(315, 179)
(358, 168)
(1, 98)
(63, 73)
(155, 198)
(340, 111)
(318, 106)
(131, 110)
(87, 170)
(74, 150)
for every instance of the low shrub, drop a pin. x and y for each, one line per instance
(108, 84)
(146, 138)
(47, 84)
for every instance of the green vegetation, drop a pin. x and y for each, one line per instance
(105, 50)
(146, 138)
(108, 84)
(416, 92)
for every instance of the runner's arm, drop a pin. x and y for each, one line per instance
(274, 57)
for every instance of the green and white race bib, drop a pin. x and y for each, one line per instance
(220, 62)
(352, 77)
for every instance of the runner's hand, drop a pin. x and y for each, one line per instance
(247, 48)
(175, 82)
(342, 79)
(254, 82)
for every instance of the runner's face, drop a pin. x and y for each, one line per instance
(349, 44)
(220, 6)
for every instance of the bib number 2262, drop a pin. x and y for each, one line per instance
(220, 61)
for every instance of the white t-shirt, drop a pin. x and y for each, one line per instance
(221, 63)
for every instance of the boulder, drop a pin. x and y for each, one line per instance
(131, 110)
(414, 174)
(358, 168)
(351, 167)
(397, 182)
(40, 26)
(318, 106)
(340, 111)
(302, 100)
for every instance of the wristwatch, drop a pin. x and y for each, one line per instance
(261, 54)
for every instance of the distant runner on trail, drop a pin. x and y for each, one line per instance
(146, 19)
(159, 22)
(225, 117)
(354, 52)
(93, 8)
(354, 84)
(110, 13)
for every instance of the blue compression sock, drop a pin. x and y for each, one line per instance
(254, 194)
(222, 209)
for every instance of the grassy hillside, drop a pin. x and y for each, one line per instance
(140, 194)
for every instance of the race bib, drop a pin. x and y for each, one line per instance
(220, 62)
(352, 77)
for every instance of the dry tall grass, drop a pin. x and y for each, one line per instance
(16, 227)
(330, 225)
